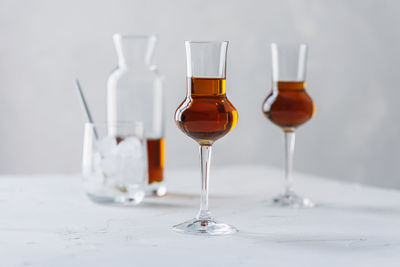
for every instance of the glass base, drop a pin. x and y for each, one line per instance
(291, 199)
(157, 189)
(204, 227)
(131, 199)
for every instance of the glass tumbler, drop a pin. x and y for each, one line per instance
(114, 167)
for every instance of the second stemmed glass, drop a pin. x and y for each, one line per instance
(289, 106)
(205, 116)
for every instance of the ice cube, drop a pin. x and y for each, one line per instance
(110, 166)
(130, 147)
(133, 170)
(107, 146)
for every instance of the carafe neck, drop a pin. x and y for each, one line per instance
(134, 51)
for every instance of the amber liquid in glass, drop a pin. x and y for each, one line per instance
(155, 158)
(289, 105)
(206, 114)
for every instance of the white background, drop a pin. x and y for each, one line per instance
(353, 77)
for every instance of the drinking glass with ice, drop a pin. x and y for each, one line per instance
(114, 163)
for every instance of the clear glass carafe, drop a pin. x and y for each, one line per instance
(135, 93)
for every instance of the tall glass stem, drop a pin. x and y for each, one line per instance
(205, 160)
(289, 153)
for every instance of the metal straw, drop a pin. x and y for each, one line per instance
(86, 108)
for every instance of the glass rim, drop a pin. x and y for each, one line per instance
(206, 42)
(288, 44)
(134, 36)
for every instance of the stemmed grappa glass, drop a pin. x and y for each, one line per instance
(205, 116)
(289, 106)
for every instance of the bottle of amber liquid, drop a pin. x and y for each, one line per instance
(135, 93)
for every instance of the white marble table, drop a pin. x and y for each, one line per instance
(46, 220)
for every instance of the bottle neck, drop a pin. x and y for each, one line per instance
(134, 52)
